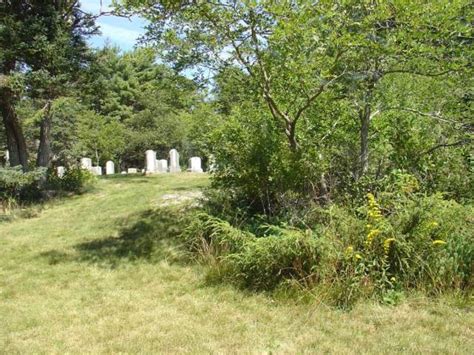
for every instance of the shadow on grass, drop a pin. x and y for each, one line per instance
(151, 235)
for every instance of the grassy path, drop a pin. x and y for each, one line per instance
(71, 281)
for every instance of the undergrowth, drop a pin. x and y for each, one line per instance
(393, 244)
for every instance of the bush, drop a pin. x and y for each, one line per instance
(400, 240)
(255, 262)
(410, 241)
(256, 170)
(263, 263)
(75, 180)
(17, 186)
(209, 236)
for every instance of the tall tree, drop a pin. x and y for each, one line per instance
(43, 41)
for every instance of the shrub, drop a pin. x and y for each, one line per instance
(410, 242)
(209, 236)
(256, 170)
(265, 262)
(17, 186)
(400, 240)
(75, 180)
(251, 261)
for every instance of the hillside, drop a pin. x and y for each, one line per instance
(102, 272)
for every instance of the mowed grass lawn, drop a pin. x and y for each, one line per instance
(79, 278)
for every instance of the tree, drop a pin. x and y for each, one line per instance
(292, 51)
(148, 102)
(42, 42)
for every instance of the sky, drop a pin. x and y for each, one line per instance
(118, 31)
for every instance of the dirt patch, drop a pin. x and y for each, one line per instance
(178, 198)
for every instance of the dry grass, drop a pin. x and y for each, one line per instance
(67, 284)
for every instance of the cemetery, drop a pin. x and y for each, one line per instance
(255, 177)
(152, 165)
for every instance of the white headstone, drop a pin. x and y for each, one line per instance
(162, 166)
(109, 168)
(7, 157)
(97, 170)
(174, 161)
(150, 161)
(123, 173)
(195, 165)
(61, 170)
(86, 163)
(132, 170)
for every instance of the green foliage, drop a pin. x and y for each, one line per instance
(17, 186)
(208, 236)
(132, 104)
(75, 180)
(410, 241)
(254, 167)
(254, 262)
(267, 261)
(402, 241)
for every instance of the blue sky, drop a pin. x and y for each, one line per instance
(115, 30)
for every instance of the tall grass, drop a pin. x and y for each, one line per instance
(414, 242)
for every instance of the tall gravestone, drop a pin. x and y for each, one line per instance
(195, 165)
(7, 157)
(61, 170)
(174, 161)
(150, 157)
(86, 163)
(162, 166)
(109, 168)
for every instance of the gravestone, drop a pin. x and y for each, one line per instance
(123, 173)
(96, 170)
(109, 168)
(86, 163)
(132, 170)
(162, 166)
(61, 170)
(7, 157)
(150, 157)
(195, 165)
(174, 161)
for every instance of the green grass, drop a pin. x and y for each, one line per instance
(102, 272)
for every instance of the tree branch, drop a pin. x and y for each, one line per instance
(445, 145)
(425, 114)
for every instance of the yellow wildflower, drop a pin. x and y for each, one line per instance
(374, 213)
(386, 245)
(349, 251)
(372, 234)
(358, 256)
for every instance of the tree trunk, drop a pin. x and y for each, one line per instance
(291, 135)
(15, 139)
(364, 116)
(44, 149)
(324, 190)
